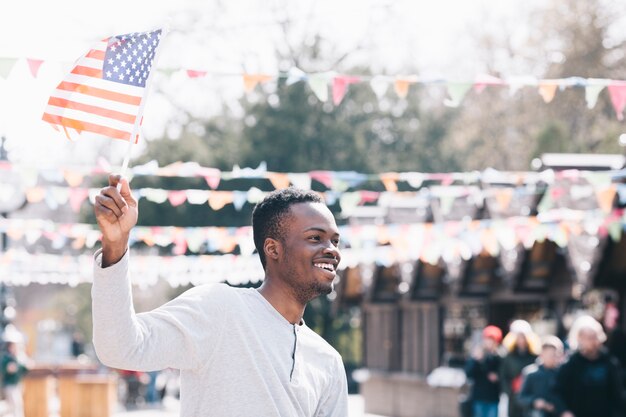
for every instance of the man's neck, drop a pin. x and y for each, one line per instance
(282, 299)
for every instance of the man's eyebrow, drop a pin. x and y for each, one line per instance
(319, 229)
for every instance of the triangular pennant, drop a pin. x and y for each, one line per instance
(177, 197)
(401, 86)
(196, 74)
(218, 199)
(324, 177)
(380, 85)
(33, 65)
(484, 80)
(73, 178)
(615, 231)
(457, 92)
(251, 80)
(197, 196)
(278, 180)
(348, 202)
(504, 197)
(77, 196)
(340, 87)
(6, 65)
(295, 75)
(302, 181)
(547, 90)
(389, 180)
(516, 83)
(239, 199)
(319, 85)
(617, 92)
(592, 91)
(605, 198)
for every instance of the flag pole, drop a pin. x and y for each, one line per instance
(138, 120)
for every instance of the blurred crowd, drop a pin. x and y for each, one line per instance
(580, 376)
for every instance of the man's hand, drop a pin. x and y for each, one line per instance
(116, 214)
(539, 404)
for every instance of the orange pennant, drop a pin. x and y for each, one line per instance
(279, 180)
(218, 199)
(504, 197)
(547, 91)
(605, 198)
(35, 194)
(251, 80)
(401, 87)
(389, 180)
(73, 178)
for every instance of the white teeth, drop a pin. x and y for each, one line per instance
(325, 266)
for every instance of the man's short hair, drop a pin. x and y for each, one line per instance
(268, 215)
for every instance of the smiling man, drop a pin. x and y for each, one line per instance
(241, 352)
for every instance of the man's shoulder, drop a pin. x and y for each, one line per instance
(215, 293)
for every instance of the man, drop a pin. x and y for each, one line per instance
(589, 383)
(482, 368)
(537, 395)
(241, 352)
(13, 371)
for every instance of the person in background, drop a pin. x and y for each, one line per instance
(522, 346)
(616, 338)
(482, 368)
(589, 383)
(13, 370)
(537, 395)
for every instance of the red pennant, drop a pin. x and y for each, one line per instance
(195, 74)
(177, 197)
(325, 177)
(617, 92)
(34, 65)
(340, 87)
(77, 196)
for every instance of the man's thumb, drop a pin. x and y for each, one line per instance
(125, 192)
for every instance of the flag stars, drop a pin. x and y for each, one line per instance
(121, 77)
(110, 61)
(116, 69)
(118, 56)
(109, 74)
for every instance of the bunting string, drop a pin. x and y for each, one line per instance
(338, 84)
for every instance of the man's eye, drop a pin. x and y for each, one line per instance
(336, 242)
(315, 238)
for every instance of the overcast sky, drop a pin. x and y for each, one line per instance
(231, 36)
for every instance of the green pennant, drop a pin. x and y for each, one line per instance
(6, 65)
(615, 231)
(457, 92)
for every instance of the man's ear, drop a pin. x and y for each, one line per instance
(272, 248)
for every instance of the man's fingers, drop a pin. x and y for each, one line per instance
(112, 193)
(109, 203)
(104, 213)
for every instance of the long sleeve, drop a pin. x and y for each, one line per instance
(527, 394)
(181, 334)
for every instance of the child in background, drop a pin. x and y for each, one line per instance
(482, 368)
(537, 395)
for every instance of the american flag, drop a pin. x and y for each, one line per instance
(104, 91)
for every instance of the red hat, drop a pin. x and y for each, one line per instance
(493, 332)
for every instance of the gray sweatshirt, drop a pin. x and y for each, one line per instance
(238, 355)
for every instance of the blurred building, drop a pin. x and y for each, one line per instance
(418, 316)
